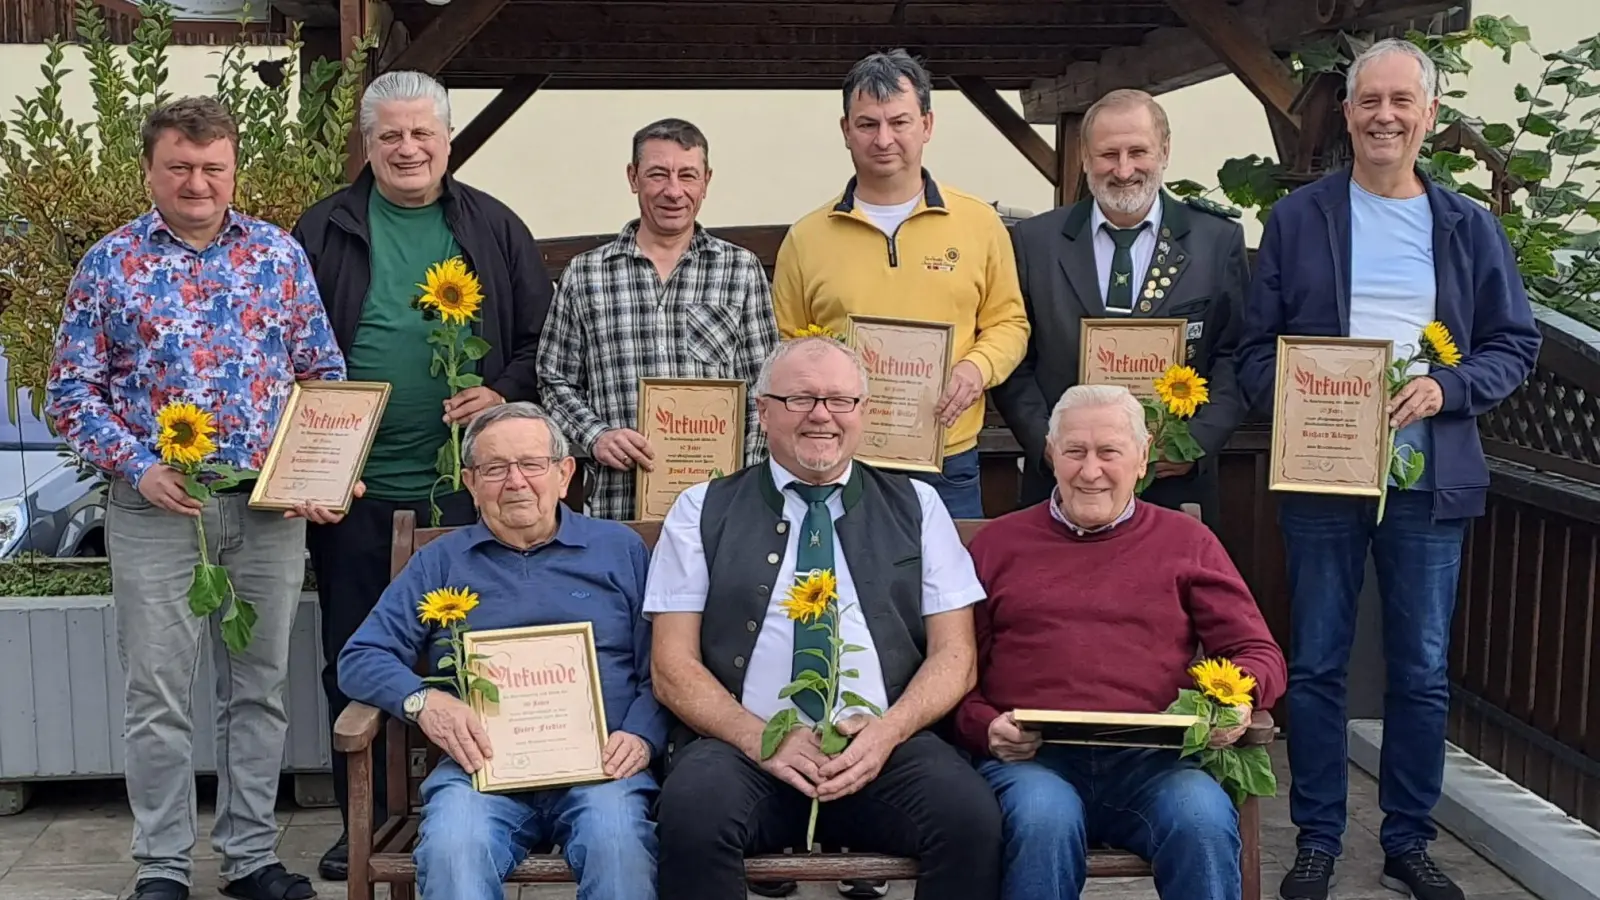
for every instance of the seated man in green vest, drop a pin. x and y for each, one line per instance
(724, 647)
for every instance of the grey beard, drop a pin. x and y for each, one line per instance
(1129, 200)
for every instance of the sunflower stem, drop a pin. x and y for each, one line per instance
(455, 427)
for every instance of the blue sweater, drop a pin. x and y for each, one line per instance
(1301, 287)
(591, 570)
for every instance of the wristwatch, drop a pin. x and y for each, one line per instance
(413, 704)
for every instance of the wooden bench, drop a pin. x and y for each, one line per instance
(380, 852)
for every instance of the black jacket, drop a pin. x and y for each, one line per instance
(497, 246)
(1056, 265)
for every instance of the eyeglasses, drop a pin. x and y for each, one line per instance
(804, 404)
(531, 467)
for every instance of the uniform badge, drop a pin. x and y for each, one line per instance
(1193, 331)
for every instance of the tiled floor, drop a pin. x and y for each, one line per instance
(72, 844)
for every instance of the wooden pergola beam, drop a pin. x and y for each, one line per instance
(497, 113)
(1011, 125)
(1247, 54)
(1072, 184)
(1173, 58)
(451, 29)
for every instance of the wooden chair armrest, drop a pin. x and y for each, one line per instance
(1262, 731)
(356, 728)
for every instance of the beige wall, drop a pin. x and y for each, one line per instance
(777, 155)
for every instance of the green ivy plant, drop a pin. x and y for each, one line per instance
(66, 183)
(1547, 209)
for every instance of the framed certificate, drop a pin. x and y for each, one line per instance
(1129, 352)
(321, 444)
(1330, 424)
(696, 428)
(549, 727)
(909, 363)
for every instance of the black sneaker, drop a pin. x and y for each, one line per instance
(1309, 878)
(863, 888)
(772, 888)
(160, 889)
(1415, 874)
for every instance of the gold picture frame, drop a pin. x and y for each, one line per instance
(320, 445)
(1132, 353)
(908, 363)
(681, 460)
(520, 762)
(1330, 420)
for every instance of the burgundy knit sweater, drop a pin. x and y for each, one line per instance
(1108, 621)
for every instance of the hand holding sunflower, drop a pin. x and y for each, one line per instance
(452, 295)
(447, 607)
(1180, 391)
(184, 441)
(1435, 346)
(1221, 701)
(814, 601)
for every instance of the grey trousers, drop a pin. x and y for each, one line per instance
(159, 640)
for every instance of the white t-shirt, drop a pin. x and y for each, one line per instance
(889, 218)
(679, 580)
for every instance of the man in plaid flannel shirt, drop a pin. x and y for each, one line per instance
(665, 299)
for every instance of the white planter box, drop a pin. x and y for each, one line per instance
(61, 692)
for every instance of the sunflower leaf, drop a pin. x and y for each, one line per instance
(851, 698)
(465, 380)
(238, 623)
(206, 590)
(1195, 738)
(487, 688)
(193, 487)
(833, 740)
(850, 673)
(778, 727)
(475, 348)
(1255, 771)
(812, 651)
(1180, 442)
(852, 648)
(447, 662)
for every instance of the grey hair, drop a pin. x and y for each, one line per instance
(786, 348)
(520, 409)
(1428, 71)
(1083, 396)
(402, 86)
(678, 131)
(878, 77)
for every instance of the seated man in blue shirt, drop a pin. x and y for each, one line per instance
(533, 562)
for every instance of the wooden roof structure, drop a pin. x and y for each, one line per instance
(1061, 54)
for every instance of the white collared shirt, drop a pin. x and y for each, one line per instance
(679, 580)
(1143, 250)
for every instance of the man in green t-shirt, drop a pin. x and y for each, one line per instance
(372, 246)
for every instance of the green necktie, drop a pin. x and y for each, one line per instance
(815, 551)
(1119, 294)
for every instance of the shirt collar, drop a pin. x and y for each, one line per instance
(1097, 217)
(1059, 516)
(782, 477)
(232, 225)
(627, 242)
(569, 532)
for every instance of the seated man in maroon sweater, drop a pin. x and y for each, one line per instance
(1098, 601)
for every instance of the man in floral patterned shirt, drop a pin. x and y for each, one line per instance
(194, 302)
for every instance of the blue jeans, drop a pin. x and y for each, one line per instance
(958, 485)
(1417, 559)
(1149, 802)
(468, 841)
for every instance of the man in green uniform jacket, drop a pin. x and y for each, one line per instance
(372, 246)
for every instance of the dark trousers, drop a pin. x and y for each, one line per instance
(1417, 562)
(351, 561)
(717, 807)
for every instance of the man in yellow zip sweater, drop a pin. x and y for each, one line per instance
(898, 244)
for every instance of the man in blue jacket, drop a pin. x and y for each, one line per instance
(1379, 251)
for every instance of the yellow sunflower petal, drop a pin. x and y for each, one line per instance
(1223, 681)
(185, 434)
(810, 596)
(1438, 346)
(445, 606)
(452, 292)
(813, 330)
(1182, 390)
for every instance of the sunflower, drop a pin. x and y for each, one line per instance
(1221, 680)
(1437, 345)
(452, 292)
(810, 596)
(185, 438)
(446, 606)
(814, 330)
(1183, 390)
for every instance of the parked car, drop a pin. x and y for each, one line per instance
(49, 504)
